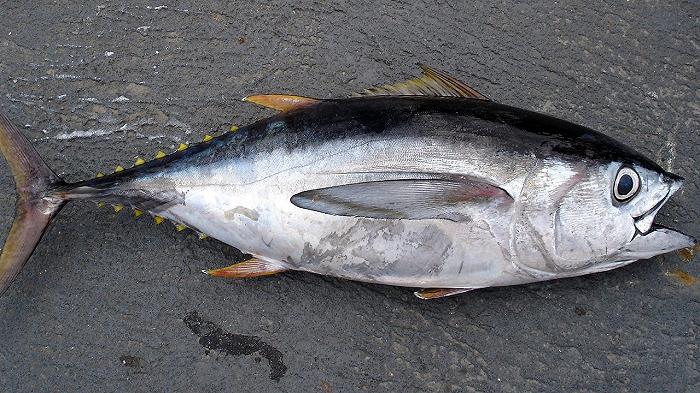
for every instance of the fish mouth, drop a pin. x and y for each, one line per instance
(645, 222)
(652, 239)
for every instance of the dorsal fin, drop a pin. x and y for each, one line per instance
(281, 102)
(432, 83)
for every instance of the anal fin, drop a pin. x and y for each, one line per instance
(435, 293)
(253, 267)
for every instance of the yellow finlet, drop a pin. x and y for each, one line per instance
(234, 128)
(281, 102)
(118, 207)
(100, 205)
(137, 213)
(203, 236)
(207, 138)
(180, 227)
(100, 174)
(158, 220)
(139, 161)
(160, 155)
(182, 147)
(119, 168)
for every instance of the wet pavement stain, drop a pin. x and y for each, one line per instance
(131, 361)
(326, 387)
(213, 338)
(688, 254)
(683, 277)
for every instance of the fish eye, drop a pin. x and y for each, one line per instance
(626, 184)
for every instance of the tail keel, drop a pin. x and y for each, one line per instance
(36, 204)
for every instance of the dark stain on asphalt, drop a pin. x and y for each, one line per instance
(213, 338)
(131, 361)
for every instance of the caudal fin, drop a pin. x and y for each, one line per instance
(36, 205)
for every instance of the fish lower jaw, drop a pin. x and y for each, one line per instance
(658, 240)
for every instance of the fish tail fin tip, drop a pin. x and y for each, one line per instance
(37, 201)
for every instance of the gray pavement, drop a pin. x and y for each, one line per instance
(109, 303)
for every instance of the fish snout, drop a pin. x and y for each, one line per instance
(645, 222)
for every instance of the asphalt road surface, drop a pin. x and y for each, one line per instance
(113, 303)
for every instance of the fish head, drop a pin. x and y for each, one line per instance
(604, 217)
(582, 215)
(655, 189)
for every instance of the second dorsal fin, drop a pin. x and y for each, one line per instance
(432, 83)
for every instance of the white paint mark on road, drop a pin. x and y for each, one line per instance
(666, 154)
(165, 7)
(83, 134)
(173, 122)
(121, 99)
(67, 76)
(671, 146)
(153, 137)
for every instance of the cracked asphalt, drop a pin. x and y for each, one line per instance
(110, 303)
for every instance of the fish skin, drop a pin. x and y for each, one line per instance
(557, 219)
(537, 159)
(319, 123)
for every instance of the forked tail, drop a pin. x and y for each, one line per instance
(36, 203)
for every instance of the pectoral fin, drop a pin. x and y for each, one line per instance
(454, 200)
(435, 293)
(253, 267)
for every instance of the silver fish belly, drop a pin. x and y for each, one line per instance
(253, 212)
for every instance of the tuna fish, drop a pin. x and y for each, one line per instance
(425, 183)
